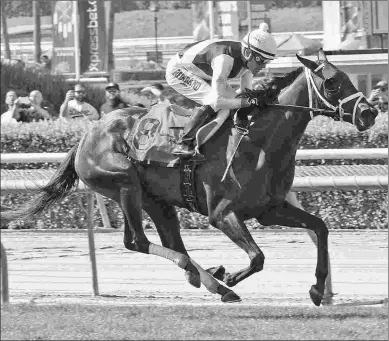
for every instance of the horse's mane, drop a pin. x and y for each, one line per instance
(270, 88)
(280, 82)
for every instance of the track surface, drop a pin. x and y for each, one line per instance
(49, 267)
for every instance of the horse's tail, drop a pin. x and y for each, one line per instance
(59, 186)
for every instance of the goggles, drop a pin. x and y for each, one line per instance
(259, 59)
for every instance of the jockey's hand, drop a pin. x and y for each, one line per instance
(256, 98)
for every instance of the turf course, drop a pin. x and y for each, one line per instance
(228, 322)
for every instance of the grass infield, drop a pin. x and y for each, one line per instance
(228, 322)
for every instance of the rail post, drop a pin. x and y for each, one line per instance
(91, 241)
(4, 276)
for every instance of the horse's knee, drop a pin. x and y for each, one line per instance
(320, 228)
(257, 262)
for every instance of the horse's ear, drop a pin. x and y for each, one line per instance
(321, 56)
(308, 63)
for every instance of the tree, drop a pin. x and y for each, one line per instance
(17, 8)
(37, 30)
(5, 31)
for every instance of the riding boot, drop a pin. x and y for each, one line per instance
(186, 146)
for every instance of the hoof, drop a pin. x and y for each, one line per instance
(316, 296)
(217, 272)
(328, 299)
(193, 279)
(230, 297)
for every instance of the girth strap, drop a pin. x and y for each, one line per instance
(188, 184)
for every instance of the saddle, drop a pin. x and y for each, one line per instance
(154, 135)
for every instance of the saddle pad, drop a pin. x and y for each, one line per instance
(155, 135)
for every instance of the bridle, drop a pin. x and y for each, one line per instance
(338, 110)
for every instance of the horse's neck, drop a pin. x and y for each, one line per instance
(283, 128)
(297, 94)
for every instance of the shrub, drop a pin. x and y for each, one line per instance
(339, 209)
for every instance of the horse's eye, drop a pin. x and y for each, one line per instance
(331, 84)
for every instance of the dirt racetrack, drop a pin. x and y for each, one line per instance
(52, 266)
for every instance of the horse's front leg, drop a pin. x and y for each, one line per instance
(235, 229)
(328, 292)
(289, 215)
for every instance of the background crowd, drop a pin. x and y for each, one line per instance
(32, 107)
(25, 107)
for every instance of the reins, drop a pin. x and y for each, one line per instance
(335, 113)
(287, 106)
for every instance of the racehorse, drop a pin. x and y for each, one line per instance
(260, 175)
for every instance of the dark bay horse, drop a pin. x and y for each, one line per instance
(262, 174)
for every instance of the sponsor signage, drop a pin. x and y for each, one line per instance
(374, 17)
(64, 21)
(93, 40)
(380, 17)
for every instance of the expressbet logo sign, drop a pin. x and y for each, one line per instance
(93, 29)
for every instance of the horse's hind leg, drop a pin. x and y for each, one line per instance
(168, 227)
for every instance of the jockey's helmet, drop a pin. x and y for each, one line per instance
(260, 44)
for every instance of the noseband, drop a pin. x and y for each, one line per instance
(338, 111)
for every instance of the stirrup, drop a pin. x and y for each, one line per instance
(185, 151)
(193, 155)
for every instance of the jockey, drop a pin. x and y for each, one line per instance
(201, 72)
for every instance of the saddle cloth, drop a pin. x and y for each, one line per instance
(154, 135)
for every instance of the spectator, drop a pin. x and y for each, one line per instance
(379, 96)
(11, 116)
(157, 90)
(30, 109)
(113, 100)
(25, 109)
(45, 64)
(14, 62)
(75, 106)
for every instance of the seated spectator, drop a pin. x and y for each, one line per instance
(11, 116)
(379, 96)
(75, 105)
(114, 101)
(157, 90)
(14, 62)
(45, 64)
(30, 109)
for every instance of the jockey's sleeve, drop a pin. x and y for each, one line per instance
(220, 97)
(246, 82)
